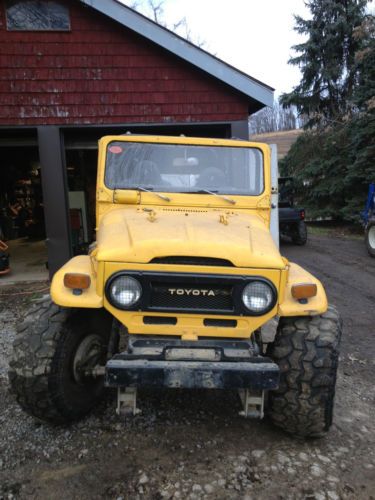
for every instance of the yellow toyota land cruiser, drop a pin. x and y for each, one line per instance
(175, 291)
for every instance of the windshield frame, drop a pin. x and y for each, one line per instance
(192, 142)
(105, 196)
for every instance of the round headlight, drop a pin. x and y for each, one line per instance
(257, 296)
(125, 291)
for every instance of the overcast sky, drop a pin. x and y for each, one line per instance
(252, 35)
(255, 36)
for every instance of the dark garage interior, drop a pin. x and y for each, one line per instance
(22, 224)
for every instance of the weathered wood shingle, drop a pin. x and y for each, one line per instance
(101, 72)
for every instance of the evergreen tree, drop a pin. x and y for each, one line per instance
(361, 129)
(364, 94)
(333, 162)
(327, 60)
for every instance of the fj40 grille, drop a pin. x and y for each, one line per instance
(190, 293)
(185, 296)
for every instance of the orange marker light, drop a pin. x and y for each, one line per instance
(304, 290)
(77, 281)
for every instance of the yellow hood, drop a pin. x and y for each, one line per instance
(138, 235)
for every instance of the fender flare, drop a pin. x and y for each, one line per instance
(63, 296)
(290, 306)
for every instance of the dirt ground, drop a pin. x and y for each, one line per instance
(194, 444)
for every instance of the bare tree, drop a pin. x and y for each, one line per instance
(273, 119)
(157, 11)
(154, 9)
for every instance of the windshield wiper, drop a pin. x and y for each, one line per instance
(229, 200)
(162, 196)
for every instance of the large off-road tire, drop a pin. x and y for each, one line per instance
(52, 353)
(306, 350)
(299, 235)
(370, 238)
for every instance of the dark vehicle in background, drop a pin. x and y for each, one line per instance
(291, 219)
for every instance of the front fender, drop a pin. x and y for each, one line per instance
(290, 306)
(64, 296)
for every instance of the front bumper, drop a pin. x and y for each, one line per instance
(207, 365)
(192, 374)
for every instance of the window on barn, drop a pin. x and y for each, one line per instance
(37, 15)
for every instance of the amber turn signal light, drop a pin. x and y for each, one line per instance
(304, 290)
(77, 281)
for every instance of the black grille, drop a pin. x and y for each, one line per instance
(190, 293)
(192, 261)
(185, 296)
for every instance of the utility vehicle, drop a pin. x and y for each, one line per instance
(291, 219)
(175, 292)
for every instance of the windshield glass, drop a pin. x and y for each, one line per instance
(184, 168)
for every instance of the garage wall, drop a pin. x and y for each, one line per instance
(100, 72)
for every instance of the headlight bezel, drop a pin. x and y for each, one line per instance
(272, 303)
(112, 300)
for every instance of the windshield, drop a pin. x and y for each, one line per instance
(184, 168)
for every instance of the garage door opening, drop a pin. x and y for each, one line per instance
(22, 226)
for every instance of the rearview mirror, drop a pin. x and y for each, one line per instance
(186, 162)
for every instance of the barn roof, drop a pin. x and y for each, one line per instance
(247, 85)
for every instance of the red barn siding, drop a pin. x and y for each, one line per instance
(101, 72)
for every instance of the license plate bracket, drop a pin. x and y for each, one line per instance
(192, 354)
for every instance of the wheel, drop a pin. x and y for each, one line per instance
(299, 235)
(306, 350)
(370, 238)
(52, 355)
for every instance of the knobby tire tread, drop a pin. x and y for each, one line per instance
(37, 351)
(306, 350)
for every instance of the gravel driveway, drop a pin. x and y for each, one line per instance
(194, 444)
